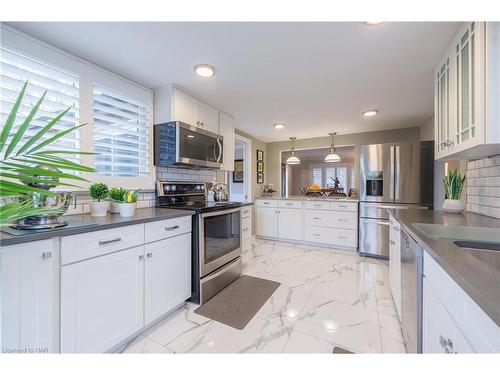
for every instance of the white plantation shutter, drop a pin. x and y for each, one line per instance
(329, 173)
(121, 134)
(62, 92)
(317, 176)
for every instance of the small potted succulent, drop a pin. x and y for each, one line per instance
(453, 186)
(100, 206)
(127, 207)
(116, 196)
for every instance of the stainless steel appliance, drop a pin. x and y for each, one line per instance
(216, 236)
(178, 143)
(390, 178)
(221, 192)
(411, 292)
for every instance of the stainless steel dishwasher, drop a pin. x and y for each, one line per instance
(411, 292)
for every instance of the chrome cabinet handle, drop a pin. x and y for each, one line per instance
(105, 242)
(244, 229)
(197, 123)
(343, 220)
(316, 234)
(392, 242)
(268, 203)
(171, 228)
(149, 255)
(343, 237)
(316, 218)
(342, 206)
(46, 255)
(141, 257)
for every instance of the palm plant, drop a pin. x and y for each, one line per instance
(453, 184)
(31, 163)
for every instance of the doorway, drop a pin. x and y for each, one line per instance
(240, 180)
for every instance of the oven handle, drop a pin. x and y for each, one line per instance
(219, 213)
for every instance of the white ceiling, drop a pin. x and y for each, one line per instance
(315, 77)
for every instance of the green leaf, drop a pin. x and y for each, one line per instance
(22, 189)
(12, 117)
(42, 131)
(54, 138)
(24, 126)
(59, 164)
(24, 169)
(64, 152)
(32, 179)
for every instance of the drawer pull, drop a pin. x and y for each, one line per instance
(316, 205)
(168, 229)
(316, 234)
(316, 218)
(141, 257)
(46, 255)
(105, 242)
(289, 204)
(343, 220)
(245, 229)
(149, 255)
(342, 206)
(268, 203)
(392, 242)
(343, 237)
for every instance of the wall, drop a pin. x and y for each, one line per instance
(483, 186)
(257, 145)
(273, 154)
(427, 130)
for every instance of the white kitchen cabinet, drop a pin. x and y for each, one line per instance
(466, 114)
(167, 276)
(395, 262)
(208, 118)
(102, 301)
(226, 129)
(185, 107)
(29, 299)
(266, 221)
(290, 223)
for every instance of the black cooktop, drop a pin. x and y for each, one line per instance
(201, 206)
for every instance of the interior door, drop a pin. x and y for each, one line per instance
(407, 173)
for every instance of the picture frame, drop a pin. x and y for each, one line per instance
(238, 176)
(260, 178)
(260, 155)
(260, 167)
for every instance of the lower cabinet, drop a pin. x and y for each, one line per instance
(266, 221)
(167, 275)
(102, 301)
(28, 297)
(290, 223)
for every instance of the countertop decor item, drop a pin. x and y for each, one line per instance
(99, 207)
(268, 190)
(28, 167)
(127, 207)
(221, 192)
(116, 196)
(453, 185)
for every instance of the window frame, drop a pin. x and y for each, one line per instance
(88, 74)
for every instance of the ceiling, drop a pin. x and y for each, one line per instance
(314, 77)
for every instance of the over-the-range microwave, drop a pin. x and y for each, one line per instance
(178, 143)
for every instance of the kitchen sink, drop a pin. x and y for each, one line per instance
(459, 233)
(478, 245)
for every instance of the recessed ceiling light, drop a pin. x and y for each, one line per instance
(370, 113)
(279, 125)
(373, 23)
(204, 70)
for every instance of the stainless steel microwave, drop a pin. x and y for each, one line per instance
(178, 143)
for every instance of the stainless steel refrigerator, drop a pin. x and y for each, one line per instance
(390, 178)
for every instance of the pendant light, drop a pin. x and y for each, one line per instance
(332, 157)
(293, 159)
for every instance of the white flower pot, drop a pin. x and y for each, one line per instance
(453, 206)
(98, 209)
(127, 209)
(114, 207)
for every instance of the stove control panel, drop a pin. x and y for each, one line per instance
(167, 188)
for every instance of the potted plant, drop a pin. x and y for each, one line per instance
(453, 186)
(127, 207)
(99, 207)
(116, 196)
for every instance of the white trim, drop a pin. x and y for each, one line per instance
(247, 166)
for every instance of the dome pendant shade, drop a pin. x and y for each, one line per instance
(293, 159)
(332, 157)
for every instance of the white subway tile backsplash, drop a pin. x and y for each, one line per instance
(483, 186)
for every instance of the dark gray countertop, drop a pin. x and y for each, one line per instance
(142, 215)
(477, 272)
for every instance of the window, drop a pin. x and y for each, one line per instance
(121, 134)
(329, 177)
(317, 176)
(62, 92)
(325, 176)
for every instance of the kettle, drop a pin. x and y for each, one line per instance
(221, 192)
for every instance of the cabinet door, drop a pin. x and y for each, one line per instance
(290, 223)
(226, 129)
(29, 304)
(266, 221)
(440, 334)
(185, 108)
(208, 118)
(167, 275)
(443, 109)
(102, 301)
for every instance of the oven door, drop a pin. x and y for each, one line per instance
(220, 239)
(198, 147)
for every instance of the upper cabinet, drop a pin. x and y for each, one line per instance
(465, 90)
(173, 104)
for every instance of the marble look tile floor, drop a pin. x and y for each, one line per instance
(327, 298)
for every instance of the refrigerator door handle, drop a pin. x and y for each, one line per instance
(391, 185)
(397, 171)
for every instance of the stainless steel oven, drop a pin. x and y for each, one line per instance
(178, 143)
(220, 239)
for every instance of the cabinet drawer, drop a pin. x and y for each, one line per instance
(266, 203)
(332, 236)
(317, 205)
(246, 211)
(332, 219)
(159, 230)
(246, 228)
(344, 206)
(88, 245)
(290, 204)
